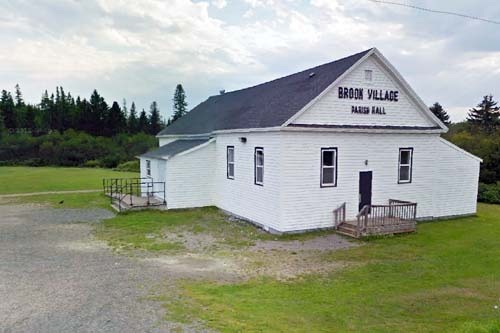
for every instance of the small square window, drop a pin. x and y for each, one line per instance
(405, 157)
(368, 75)
(328, 157)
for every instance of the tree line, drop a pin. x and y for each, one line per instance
(60, 111)
(67, 131)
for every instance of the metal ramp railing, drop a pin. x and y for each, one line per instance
(128, 193)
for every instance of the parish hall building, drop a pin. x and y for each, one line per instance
(317, 149)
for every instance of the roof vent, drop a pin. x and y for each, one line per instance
(222, 92)
(311, 74)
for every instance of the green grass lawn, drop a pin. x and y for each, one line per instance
(445, 278)
(41, 179)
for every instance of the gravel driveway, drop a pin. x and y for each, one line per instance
(54, 277)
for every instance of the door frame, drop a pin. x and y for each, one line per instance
(359, 187)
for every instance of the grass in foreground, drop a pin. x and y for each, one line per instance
(43, 179)
(445, 278)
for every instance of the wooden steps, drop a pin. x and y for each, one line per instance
(348, 229)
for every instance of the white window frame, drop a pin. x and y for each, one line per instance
(148, 168)
(229, 162)
(409, 165)
(257, 166)
(333, 167)
(368, 75)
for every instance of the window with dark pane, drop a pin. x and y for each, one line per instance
(259, 166)
(230, 162)
(148, 168)
(328, 167)
(405, 165)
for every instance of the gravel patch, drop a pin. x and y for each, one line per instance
(55, 277)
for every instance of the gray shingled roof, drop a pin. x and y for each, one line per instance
(266, 105)
(173, 148)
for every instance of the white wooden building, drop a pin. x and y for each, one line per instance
(286, 153)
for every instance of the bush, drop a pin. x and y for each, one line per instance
(489, 193)
(73, 148)
(92, 164)
(131, 166)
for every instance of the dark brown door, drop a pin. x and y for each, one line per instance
(365, 188)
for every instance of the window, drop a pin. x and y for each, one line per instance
(230, 162)
(368, 75)
(148, 168)
(405, 165)
(328, 167)
(259, 166)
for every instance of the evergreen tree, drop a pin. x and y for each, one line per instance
(132, 122)
(124, 108)
(485, 115)
(45, 108)
(439, 112)
(180, 104)
(98, 110)
(2, 126)
(155, 124)
(19, 108)
(116, 121)
(30, 118)
(143, 125)
(7, 107)
(19, 96)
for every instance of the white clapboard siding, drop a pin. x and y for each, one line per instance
(455, 182)
(331, 110)
(190, 178)
(306, 205)
(157, 174)
(240, 196)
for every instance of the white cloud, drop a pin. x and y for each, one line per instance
(219, 3)
(144, 46)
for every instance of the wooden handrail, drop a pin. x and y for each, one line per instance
(339, 215)
(395, 213)
(362, 218)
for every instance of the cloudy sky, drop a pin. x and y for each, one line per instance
(140, 49)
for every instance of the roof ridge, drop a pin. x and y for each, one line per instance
(266, 104)
(287, 76)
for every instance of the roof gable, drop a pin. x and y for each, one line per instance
(362, 109)
(269, 104)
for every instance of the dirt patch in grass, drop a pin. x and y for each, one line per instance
(329, 242)
(205, 243)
